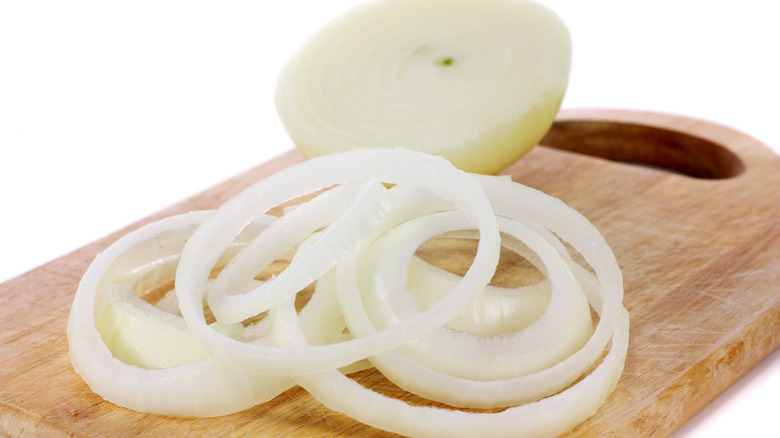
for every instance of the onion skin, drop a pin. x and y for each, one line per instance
(476, 82)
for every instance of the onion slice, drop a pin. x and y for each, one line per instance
(203, 388)
(561, 329)
(346, 223)
(356, 242)
(394, 166)
(550, 416)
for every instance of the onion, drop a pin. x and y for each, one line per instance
(345, 223)
(396, 166)
(563, 327)
(476, 82)
(201, 388)
(547, 417)
(438, 335)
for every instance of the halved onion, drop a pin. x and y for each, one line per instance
(476, 82)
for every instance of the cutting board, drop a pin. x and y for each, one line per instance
(690, 208)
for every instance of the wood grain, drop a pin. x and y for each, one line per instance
(691, 209)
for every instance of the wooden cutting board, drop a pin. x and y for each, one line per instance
(695, 228)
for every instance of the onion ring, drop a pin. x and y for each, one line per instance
(395, 166)
(361, 284)
(204, 388)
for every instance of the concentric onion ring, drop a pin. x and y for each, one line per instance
(546, 417)
(395, 166)
(201, 388)
(256, 362)
(564, 326)
(346, 224)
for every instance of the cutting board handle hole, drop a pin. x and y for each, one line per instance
(665, 149)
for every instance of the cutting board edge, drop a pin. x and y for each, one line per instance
(673, 410)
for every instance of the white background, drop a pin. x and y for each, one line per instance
(110, 111)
